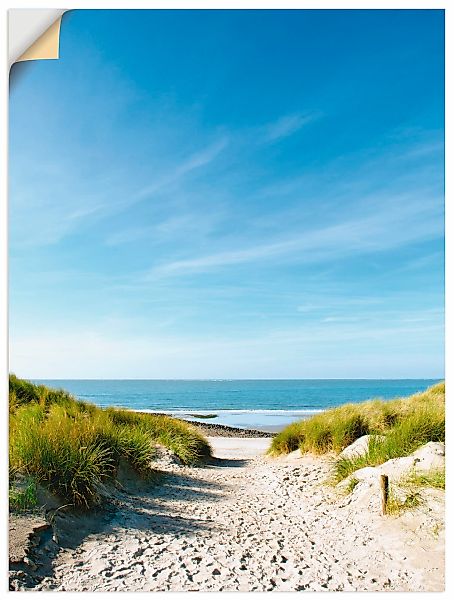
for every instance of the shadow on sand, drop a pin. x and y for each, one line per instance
(228, 462)
(146, 506)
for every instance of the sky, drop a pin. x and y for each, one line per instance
(230, 194)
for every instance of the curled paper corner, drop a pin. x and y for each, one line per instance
(46, 46)
(33, 34)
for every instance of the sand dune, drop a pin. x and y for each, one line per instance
(249, 523)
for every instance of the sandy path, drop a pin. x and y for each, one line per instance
(246, 523)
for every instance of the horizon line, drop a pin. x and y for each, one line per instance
(236, 379)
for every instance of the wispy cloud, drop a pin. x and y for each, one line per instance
(287, 125)
(194, 161)
(166, 229)
(47, 209)
(395, 226)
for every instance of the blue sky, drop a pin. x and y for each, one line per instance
(230, 194)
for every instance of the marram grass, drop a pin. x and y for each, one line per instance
(423, 422)
(435, 478)
(71, 446)
(405, 423)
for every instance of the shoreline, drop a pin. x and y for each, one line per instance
(220, 430)
(266, 421)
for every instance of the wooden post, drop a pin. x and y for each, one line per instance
(384, 492)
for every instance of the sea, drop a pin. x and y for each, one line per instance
(265, 404)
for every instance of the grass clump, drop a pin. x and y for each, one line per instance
(330, 431)
(405, 423)
(180, 437)
(61, 451)
(396, 506)
(435, 479)
(407, 493)
(289, 439)
(72, 447)
(23, 498)
(351, 485)
(424, 423)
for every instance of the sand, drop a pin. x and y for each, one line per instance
(250, 523)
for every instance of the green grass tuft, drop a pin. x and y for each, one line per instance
(410, 490)
(23, 498)
(351, 485)
(395, 506)
(72, 446)
(179, 436)
(425, 423)
(435, 478)
(406, 423)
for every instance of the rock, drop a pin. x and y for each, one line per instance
(359, 446)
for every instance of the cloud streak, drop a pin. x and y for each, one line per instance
(377, 232)
(287, 125)
(193, 162)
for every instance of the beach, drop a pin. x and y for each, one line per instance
(243, 522)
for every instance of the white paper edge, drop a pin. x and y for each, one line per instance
(25, 26)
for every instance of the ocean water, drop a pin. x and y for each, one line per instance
(266, 404)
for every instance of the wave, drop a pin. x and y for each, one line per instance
(233, 411)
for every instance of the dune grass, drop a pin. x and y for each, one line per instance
(72, 446)
(407, 494)
(423, 424)
(435, 479)
(405, 423)
(351, 485)
(180, 437)
(396, 506)
(334, 429)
